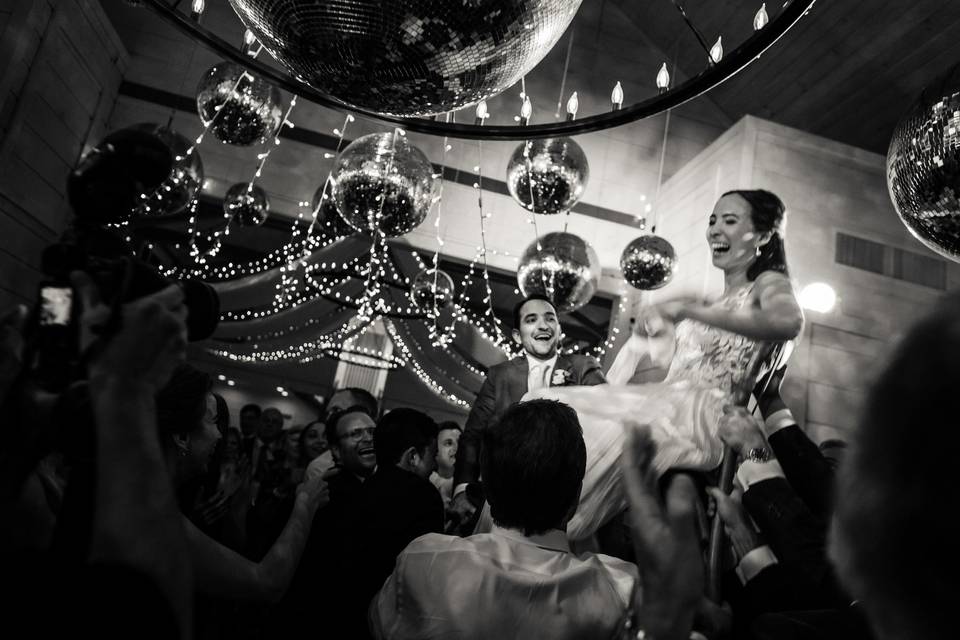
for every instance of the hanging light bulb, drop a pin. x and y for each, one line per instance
(572, 105)
(663, 78)
(761, 19)
(196, 9)
(526, 111)
(249, 38)
(716, 51)
(616, 96)
(482, 113)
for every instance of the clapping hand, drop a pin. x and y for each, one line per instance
(665, 541)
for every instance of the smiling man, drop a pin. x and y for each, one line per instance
(536, 328)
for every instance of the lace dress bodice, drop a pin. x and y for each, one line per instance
(710, 356)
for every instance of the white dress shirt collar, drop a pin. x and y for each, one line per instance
(533, 360)
(554, 539)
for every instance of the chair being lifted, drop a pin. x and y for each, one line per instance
(767, 358)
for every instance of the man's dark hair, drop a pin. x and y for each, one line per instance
(255, 408)
(532, 463)
(449, 424)
(361, 397)
(895, 486)
(401, 429)
(517, 307)
(333, 421)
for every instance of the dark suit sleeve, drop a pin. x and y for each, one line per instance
(467, 468)
(808, 472)
(590, 372)
(797, 536)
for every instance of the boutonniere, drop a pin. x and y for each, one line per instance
(560, 377)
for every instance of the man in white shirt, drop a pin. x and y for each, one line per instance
(537, 329)
(521, 579)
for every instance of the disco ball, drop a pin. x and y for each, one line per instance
(923, 167)
(238, 107)
(248, 207)
(648, 262)
(383, 182)
(565, 269)
(431, 288)
(329, 220)
(408, 57)
(185, 181)
(548, 175)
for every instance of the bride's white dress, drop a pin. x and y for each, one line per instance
(682, 411)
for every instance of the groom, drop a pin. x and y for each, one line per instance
(537, 329)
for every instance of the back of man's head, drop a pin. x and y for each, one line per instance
(401, 429)
(895, 542)
(532, 463)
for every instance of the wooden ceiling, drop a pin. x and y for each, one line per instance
(847, 71)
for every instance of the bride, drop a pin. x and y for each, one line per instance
(713, 343)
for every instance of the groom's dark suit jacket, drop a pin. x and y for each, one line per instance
(505, 385)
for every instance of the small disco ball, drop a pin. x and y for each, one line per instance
(329, 221)
(923, 166)
(247, 206)
(432, 288)
(242, 107)
(648, 263)
(383, 182)
(548, 175)
(565, 269)
(183, 185)
(408, 57)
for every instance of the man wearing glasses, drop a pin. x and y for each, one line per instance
(350, 435)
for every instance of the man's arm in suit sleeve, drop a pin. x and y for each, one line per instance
(807, 470)
(592, 373)
(467, 469)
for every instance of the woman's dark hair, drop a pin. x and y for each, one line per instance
(301, 445)
(767, 213)
(183, 401)
(532, 463)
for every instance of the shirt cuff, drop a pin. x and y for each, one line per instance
(750, 472)
(460, 488)
(754, 562)
(778, 420)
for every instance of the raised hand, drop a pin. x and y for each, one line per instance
(665, 541)
(740, 430)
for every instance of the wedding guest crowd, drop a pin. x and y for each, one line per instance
(163, 515)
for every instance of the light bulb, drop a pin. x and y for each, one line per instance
(526, 110)
(249, 38)
(663, 78)
(482, 113)
(761, 19)
(572, 105)
(196, 8)
(818, 297)
(716, 51)
(616, 96)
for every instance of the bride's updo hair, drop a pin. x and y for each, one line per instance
(767, 213)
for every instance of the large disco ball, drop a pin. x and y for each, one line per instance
(648, 262)
(432, 288)
(548, 175)
(247, 205)
(565, 269)
(329, 221)
(243, 108)
(923, 166)
(183, 185)
(408, 57)
(383, 182)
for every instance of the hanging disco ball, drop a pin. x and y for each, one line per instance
(548, 175)
(408, 57)
(183, 185)
(648, 263)
(247, 206)
(565, 269)
(242, 107)
(329, 221)
(923, 166)
(432, 288)
(383, 182)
